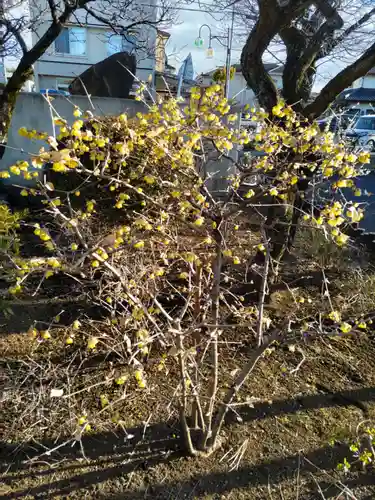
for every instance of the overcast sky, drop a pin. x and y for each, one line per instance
(184, 34)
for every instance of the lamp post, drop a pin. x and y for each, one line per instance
(199, 42)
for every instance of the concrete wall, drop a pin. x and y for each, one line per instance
(32, 111)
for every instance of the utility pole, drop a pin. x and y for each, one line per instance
(229, 57)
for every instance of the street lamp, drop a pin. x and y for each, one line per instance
(199, 42)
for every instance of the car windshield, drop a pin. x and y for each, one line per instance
(365, 123)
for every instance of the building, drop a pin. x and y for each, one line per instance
(238, 88)
(86, 42)
(166, 80)
(161, 60)
(359, 99)
(367, 81)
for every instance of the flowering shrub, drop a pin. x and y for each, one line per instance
(362, 449)
(135, 217)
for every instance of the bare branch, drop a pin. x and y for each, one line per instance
(340, 82)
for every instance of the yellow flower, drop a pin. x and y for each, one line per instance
(364, 157)
(15, 170)
(139, 244)
(227, 253)
(352, 158)
(175, 194)
(81, 420)
(183, 276)
(334, 316)
(345, 327)
(236, 260)
(121, 380)
(90, 205)
(95, 263)
(77, 112)
(249, 194)
(24, 192)
(354, 213)
(23, 132)
(362, 325)
(45, 335)
(199, 221)
(92, 342)
(58, 167)
(341, 239)
(44, 236)
(294, 180)
(76, 324)
(150, 179)
(69, 340)
(104, 400)
(53, 262)
(274, 192)
(74, 246)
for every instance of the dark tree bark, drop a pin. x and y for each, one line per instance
(339, 83)
(271, 20)
(24, 70)
(306, 41)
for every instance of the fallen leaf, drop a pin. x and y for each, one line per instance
(56, 393)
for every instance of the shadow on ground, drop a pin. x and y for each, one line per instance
(271, 472)
(112, 455)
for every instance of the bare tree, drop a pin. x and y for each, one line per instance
(306, 35)
(47, 18)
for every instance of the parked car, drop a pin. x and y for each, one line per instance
(362, 132)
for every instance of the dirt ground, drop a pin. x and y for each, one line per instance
(299, 411)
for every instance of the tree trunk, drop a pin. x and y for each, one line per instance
(24, 71)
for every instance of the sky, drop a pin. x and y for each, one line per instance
(184, 33)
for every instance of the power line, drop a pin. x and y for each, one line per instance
(192, 10)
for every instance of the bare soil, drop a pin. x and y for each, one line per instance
(301, 408)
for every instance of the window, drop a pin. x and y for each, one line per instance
(365, 124)
(63, 83)
(120, 43)
(71, 41)
(114, 44)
